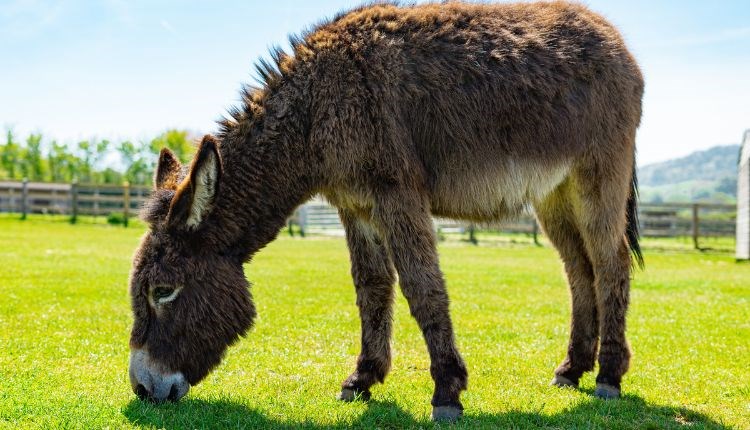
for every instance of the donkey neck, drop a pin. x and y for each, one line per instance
(267, 175)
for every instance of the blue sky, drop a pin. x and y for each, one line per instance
(130, 69)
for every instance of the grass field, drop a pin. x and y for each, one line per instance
(65, 319)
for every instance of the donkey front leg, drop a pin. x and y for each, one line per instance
(374, 276)
(407, 227)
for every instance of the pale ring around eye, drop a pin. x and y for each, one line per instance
(164, 294)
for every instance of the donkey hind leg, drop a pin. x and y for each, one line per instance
(406, 223)
(557, 218)
(603, 224)
(374, 276)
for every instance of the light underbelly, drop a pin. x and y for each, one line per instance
(494, 193)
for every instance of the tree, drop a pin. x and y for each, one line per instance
(102, 147)
(34, 159)
(110, 176)
(89, 160)
(728, 185)
(83, 170)
(62, 165)
(93, 153)
(177, 141)
(56, 159)
(10, 156)
(138, 160)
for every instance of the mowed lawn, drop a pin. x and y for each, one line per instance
(65, 321)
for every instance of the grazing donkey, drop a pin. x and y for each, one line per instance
(396, 114)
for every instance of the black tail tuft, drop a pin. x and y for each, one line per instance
(632, 228)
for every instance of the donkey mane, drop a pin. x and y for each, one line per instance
(271, 74)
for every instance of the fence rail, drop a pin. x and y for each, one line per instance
(71, 199)
(697, 220)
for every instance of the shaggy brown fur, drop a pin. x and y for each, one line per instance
(396, 114)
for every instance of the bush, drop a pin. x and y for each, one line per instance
(117, 218)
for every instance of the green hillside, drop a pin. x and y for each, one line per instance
(703, 176)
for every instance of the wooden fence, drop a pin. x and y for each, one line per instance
(697, 220)
(72, 199)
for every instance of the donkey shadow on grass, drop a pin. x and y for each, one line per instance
(628, 412)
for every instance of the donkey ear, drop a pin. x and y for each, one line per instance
(195, 195)
(167, 171)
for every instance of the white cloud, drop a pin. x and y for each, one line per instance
(167, 26)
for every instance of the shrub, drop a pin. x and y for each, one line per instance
(117, 218)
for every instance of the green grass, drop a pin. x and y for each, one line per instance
(65, 319)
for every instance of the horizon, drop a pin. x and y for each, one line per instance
(130, 70)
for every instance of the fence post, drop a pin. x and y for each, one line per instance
(126, 202)
(24, 198)
(536, 233)
(74, 202)
(96, 200)
(473, 234)
(290, 227)
(302, 220)
(696, 226)
(11, 200)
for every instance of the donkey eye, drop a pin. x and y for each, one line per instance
(162, 292)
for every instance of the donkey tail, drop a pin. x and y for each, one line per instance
(632, 229)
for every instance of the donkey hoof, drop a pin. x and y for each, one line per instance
(606, 391)
(561, 381)
(446, 413)
(350, 395)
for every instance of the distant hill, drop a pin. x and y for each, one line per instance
(703, 176)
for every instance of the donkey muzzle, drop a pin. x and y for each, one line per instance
(151, 383)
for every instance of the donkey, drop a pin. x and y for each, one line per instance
(397, 114)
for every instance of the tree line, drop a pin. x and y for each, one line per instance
(99, 161)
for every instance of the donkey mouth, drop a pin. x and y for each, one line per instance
(152, 385)
(173, 396)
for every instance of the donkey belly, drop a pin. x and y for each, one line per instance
(494, 193)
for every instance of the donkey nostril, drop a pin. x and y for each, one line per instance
(173, 394)
(142, 392)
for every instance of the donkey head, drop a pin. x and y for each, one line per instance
(190, 298)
